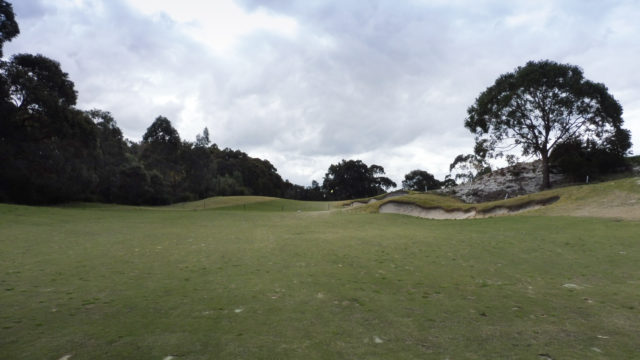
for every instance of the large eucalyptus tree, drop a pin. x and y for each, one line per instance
(540, 105)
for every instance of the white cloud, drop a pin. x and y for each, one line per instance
(219, 24)
(306, 84)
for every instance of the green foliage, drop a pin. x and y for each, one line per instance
(251, 175)
(578, 159)
(37, 85)
(160, 152)
(200, 170)
(51, 152)
(633, 160)
(8, 25)
(353, 179)
(48, 149)
(203, 140)
(539, 106)
(113, 157)
(161, 132)
(466, 168)
(420, 180)
(448, 182)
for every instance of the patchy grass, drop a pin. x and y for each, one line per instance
(618, 199)
(103, 282)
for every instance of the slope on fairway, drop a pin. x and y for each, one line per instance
(253, 203)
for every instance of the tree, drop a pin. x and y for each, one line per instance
(420, 180)
(8, 25)
(160, 153)
(448, 182)
(36, 86)
(468, 167)
(203, 140)
(161, 132)
(313, 192)
(200, 170)
(354, 179)
(114, 159)
(539, 106)
(578, 159)
(48, 148)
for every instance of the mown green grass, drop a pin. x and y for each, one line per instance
(255, 203)
(121, 282)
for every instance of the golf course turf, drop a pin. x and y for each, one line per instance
(277, 279)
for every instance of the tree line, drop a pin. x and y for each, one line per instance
(52, 152)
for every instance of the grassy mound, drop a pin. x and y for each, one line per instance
(617, 198)
(254, 203)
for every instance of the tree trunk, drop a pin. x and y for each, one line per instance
(546, 183)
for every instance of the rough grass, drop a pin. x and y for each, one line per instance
(103, 282)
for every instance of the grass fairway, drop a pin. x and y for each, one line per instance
(268, 282)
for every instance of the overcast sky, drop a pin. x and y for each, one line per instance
(307, 83)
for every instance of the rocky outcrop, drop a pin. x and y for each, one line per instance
(519, 179)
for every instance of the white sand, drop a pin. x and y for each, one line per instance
(442, 214)
(433, 213)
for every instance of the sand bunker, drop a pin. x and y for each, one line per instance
(432, 213)
(437, 213)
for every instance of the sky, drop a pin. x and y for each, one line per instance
(305, 84)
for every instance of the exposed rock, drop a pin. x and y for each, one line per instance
(519, 179)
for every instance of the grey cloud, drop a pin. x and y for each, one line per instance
(118, 60)
(29, 9)
(386, 81)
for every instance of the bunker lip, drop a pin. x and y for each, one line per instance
(395, 194)
(372, 200)
(439, 213)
